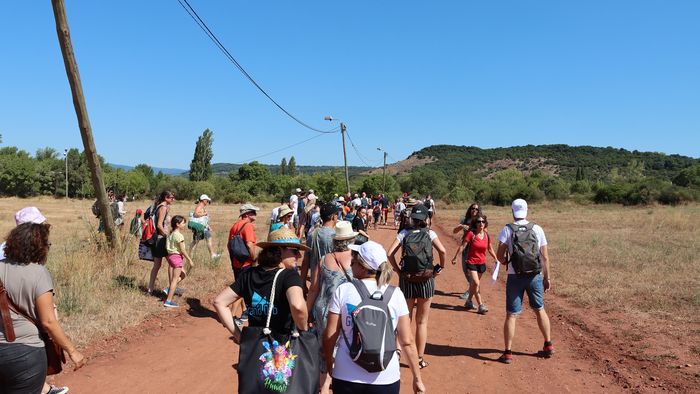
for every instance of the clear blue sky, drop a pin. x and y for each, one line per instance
(402, 75)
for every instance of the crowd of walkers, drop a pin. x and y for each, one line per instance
(339, 291)
(326, 318)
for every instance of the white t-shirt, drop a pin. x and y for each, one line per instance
(344, 301)
(275, 213)
(294, 202)
(402, 234)
(432, 204)
(398, 208)
(2, 251)
(356, 202)
(506, 235)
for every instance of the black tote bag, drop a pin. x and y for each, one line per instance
(271, 362)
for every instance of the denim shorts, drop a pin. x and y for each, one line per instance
(22, 368)
(516, 286)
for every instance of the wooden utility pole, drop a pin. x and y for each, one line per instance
(81, 112)
(384, 177)
(345, 158)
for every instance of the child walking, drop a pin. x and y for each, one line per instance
(176, 252)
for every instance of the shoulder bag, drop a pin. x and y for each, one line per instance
(273, 362)
(54, 353)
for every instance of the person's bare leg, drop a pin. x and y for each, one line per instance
(174, 279)
(157, 261)
(509, 330)
(474, 287)
(543, 322)
(422, 313)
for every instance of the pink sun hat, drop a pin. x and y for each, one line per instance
(29, 215)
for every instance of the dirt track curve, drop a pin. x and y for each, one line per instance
(188, 351)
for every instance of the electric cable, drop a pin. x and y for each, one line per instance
(281, 149)
(357, 151)
(202, 25)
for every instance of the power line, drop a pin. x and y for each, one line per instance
(281, 149)
(357, 151)
(202, 25)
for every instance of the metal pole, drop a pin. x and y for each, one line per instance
(81, 112)
(66, 154)
(384, 176)
(345, 157)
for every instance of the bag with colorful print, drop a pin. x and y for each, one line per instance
(272, 362)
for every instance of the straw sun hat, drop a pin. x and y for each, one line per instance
(284, 211)
(283, 237)
(343, 231)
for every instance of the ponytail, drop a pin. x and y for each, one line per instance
(384, 273)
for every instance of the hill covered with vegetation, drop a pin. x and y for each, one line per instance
(568, 162)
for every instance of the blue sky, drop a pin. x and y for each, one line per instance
(402, 75)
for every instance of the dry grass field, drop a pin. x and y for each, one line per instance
(98, 292)
(636, 267)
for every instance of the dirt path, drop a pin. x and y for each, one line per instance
(188, 351)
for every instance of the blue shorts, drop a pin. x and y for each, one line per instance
(516, 286)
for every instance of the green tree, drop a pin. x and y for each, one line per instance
(292, 167)
(46, 154)
(17, 173)
(200, 167)
(283, 167)
(253, 171)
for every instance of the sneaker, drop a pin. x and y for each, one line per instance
(465, 295)
(244, 315)
(469, 305)
(170, 304)
(547, 350)
(482, 309)
(57, 390)
(506, 358)
(238, 322)
(178, 291)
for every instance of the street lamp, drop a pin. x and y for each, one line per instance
(383, 171)
(65, 155)
(345, 156)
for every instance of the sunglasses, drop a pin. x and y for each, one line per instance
(481, 221)
(475, 208)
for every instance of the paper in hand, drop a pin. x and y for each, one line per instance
(494, 276)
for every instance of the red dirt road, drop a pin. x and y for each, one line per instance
(189, 351)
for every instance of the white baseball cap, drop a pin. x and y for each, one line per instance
(297, 190)
(29, 215)
(204, 197)
(372, 253)
(519, 208)
(248, 207)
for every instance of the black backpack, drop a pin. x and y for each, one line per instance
(428, 203)
(96, 209)
(237, 247)
(417, 255)
(525, 255)
(373, 335)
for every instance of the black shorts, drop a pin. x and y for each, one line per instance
(159, 247)
(430, 214)
(480, 268)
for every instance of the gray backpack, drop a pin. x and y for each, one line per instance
(525, 255)
(373, 335)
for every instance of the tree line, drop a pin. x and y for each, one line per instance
(26, 175)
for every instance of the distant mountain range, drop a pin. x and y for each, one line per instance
(166, 171)
(225, 168)
(557, 160)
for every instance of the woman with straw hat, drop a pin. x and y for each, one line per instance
(281, 250)
(284, 216)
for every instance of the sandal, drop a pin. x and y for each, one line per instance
(422, 363)
(398, 353)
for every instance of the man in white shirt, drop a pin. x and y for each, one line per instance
(294, 203)
(528, 272)
(356, 201)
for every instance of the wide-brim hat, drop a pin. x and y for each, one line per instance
(341, 199)
(248, 207)
(309, 207)
(205, 197)
(283, 237)
(29, 215)
(284, 211)
(411, 202)
(343, 231)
